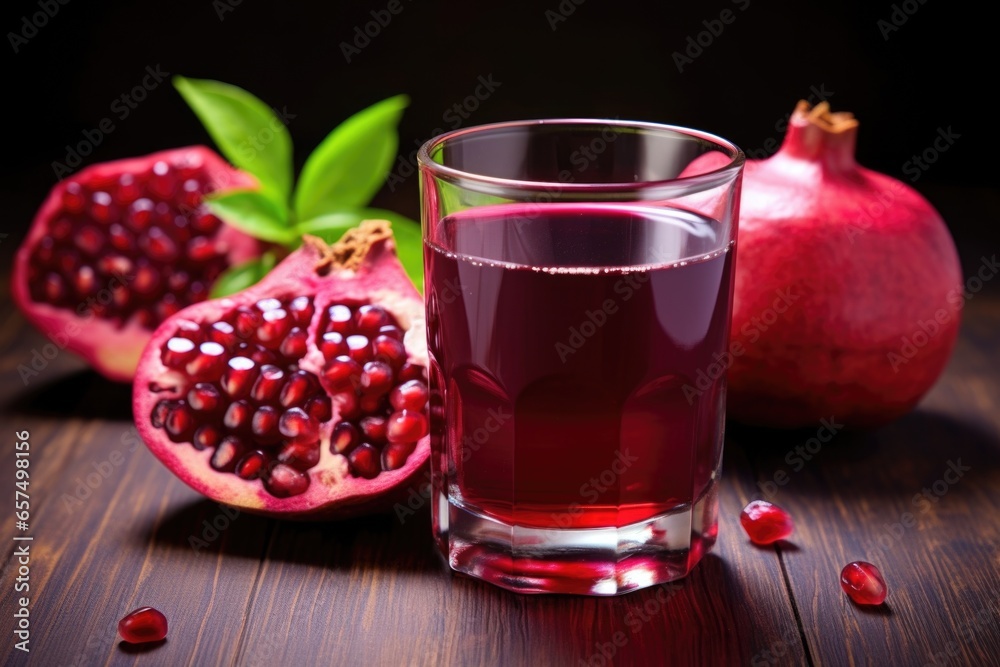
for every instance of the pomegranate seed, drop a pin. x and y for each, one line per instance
(376, 378)
(319, 408)
(275, 327)
(411, 372)
(143, 625)
(390, 350)
(294, 344)
(374, 429)
(177, 353)
(229, 451)
(301, 309)
(285, 481)
(372, 403)
(238, 417)
(359, 348)
(157, 245)
(394, 456)
(268, 384)
(298, 426)
(344, 438)
(208, 363)
(180, 423)
(300, 384)
(55, 288)
(140, 214)
(342, 372)
(264, 425)
(201, 249)
(115, 265)
(205, 223)
(332, 345)
(120, 239)
(863, 583)
(90, 240)
(369, 319)
(299, 455)
(159, 414)
(147, 279)
(190, 193)
(348, 405)
(340, 318)
(206, 437)
(392, 331)
(247, 322)
(204, 397)
(100, 207)
(73, 198)
(223, 333)
(127, 190)
(265, 305)
(251, 465)
(178, 281)
(365, 461)
(406, 426)
(239, 377)
(85, 281)
(411, 395)
(162, 182)
(765, 523)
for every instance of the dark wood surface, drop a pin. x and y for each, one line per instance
(373, 591)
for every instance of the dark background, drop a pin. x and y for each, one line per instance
(604, 59)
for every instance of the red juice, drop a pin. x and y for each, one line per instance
(572, 346)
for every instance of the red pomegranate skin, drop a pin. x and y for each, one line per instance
(113, 349)
(848, 285)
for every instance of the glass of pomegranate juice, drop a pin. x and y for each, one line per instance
(578, 289)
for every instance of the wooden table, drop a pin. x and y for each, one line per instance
(113, 530)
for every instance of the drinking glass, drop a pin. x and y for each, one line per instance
(578, 282)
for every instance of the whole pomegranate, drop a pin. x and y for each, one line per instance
(303, 396)
(848, 285)
(121, 246)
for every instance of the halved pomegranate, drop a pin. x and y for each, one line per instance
(303, 396)
(121, 246)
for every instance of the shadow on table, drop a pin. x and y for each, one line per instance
(79, 393)
(895, 459)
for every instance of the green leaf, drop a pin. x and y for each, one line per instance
(351, 164)
(238, 278)
(245, 129)
(253, 213)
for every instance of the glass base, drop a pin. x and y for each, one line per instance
(593, 561)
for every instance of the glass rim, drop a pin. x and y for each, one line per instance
(477, 181)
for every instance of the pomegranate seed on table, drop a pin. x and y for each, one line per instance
(863, 583)
(143, 625)
(765, 523)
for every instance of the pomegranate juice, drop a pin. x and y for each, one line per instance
(577, 350)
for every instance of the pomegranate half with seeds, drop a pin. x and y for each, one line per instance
(121, 246)
(303, 396)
